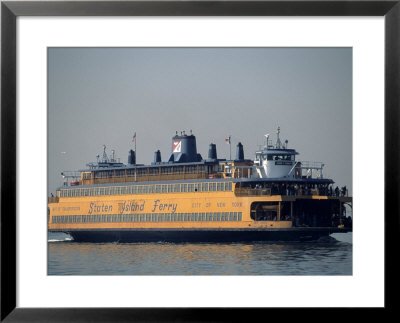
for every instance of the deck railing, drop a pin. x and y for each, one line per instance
(247, 191)
(144, 178)
(53, 199)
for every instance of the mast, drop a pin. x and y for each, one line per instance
(228, 141)
(278, 140)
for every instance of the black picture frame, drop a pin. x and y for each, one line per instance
(10, 10)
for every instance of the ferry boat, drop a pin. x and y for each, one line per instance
(188, 198)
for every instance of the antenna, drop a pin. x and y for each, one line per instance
(105, 157)
(278, 141)
(266, 136)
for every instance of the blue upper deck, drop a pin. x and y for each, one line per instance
(185, 165)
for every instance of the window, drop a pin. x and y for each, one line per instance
(204, 187)
(178, 169)
(190, 169)
(153, 170)
(141, 171)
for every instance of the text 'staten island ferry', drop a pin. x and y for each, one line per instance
(188, 198)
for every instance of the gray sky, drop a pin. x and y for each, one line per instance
(103, 95)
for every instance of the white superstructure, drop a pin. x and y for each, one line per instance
(280, 162)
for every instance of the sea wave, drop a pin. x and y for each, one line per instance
(60, 240)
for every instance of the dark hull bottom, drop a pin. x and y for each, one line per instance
(221, 235)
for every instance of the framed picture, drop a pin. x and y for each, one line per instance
(232, 26)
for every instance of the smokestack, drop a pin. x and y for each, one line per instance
(184, 149)
(131, 157)
(157, 157)
(212, 151)
(239, 152)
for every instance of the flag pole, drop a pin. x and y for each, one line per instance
(134, 139)
(228, 140)
(230, 148)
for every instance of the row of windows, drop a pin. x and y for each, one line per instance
(147, 189)
(149, 217)
(152, 171)
(280, 157)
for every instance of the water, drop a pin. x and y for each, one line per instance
(332, 257)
